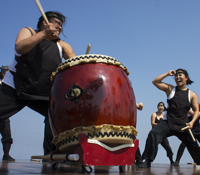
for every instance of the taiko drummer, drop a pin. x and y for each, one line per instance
(27, 83)
(179, 99)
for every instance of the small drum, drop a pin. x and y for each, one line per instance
(92, 94)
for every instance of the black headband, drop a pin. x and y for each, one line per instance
(183, 72)
(4, 68)
(52, 15)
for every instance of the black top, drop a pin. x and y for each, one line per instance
(34, 69)
(178, 108)
(158, 121)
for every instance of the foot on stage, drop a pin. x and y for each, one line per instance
(146, 164)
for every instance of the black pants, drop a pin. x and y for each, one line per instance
(164, 143)
(161, 132)
(5, 132)
(10, 105)
(138, 155)
(166, 146)
(182, 148)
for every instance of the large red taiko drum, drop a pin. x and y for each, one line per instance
(92, 94)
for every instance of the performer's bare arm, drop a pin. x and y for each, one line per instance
(26, 41)
(153, 117)
(191, 112)
(67, 50)
(195, 108)
(167, 88)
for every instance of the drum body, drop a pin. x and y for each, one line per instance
(92, 97)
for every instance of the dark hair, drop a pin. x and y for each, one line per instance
(50, 15)
(4, 69)
(163, 105)
(188, 82)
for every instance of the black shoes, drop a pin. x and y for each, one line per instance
(176, 163)
(138, 162)
(7, 158)
(172, 162)
(146, 164)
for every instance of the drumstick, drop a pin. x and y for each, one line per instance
(88, 49)
(36, 160)
(192, 135)
(187, 127)
(41, 10)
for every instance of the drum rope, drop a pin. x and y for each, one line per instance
(83, 59)
(100, 134)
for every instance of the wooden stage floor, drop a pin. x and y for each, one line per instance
(26, 167)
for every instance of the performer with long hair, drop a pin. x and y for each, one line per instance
(156, 118)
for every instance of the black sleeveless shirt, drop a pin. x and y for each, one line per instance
(178, 108)
(158, 121)
(34, 69)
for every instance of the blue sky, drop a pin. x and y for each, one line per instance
(150, 37)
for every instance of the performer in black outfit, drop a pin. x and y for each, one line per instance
(156, 118)
(196, 133)
(27, 83)
(180, 99)
(5, 127)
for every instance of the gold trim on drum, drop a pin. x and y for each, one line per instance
(83, 59)
(112, 135)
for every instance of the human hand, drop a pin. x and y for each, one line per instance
(140, 106)
(190, 125)
(51, 31)
(172, 73)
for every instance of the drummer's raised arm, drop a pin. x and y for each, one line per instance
(67, 50)
(161, 85)
(27, 39)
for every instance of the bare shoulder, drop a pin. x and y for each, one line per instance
(193, 94)
(169, 89)
(63, 43)
(66, 49)
(153, 115)
(27, 30)
(193, 98)
(24, 33)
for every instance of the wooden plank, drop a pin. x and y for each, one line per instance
(27, 167)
